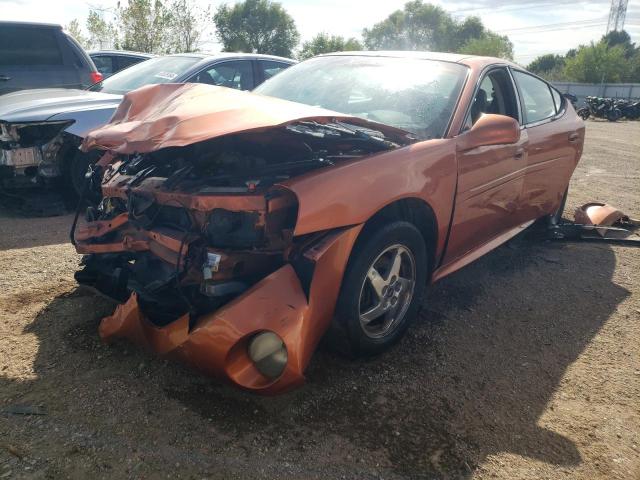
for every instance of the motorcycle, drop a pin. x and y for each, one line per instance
(600, 108)
(630, 109)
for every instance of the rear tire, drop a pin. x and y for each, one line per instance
(583, 113)
(614, 115)
(382, 290)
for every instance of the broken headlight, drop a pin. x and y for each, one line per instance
(226, 228)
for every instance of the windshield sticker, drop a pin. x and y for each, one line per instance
(166, 75)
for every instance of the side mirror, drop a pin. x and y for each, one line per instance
(490, 129)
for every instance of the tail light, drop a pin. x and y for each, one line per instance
(96, 77)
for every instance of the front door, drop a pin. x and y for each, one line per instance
(490, 178)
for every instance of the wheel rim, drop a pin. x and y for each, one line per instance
(387, 291)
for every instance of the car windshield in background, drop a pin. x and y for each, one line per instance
(418, 96)
(155, 70)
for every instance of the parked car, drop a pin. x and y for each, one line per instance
(109, 62)
(42, 129)
(237, 229)
(38, 55)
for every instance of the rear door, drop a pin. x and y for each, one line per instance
(34, 57)
(490, 178)
(554, 143)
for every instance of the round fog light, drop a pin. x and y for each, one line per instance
(268, 353)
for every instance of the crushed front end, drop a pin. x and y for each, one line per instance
(195, 235)
(30, 151)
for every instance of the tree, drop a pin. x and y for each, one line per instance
(145, 26)
(256, 26)
(74, 29)
(423, 26)
(187, 21)
(621, 38)
(490, 45)
(323, 43)
(418, 26)
(597, 63)
(545, 63)
(102, 34)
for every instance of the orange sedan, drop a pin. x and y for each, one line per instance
(238, 229)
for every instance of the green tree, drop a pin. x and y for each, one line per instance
(418, 26)
(490, 45)
(423, 26)
(256, 26)
(146, 26)
(546, 63)
(597, 63)
(102, 34)
(74, 29)
(187, 21)
(621, 38)
(325, 43)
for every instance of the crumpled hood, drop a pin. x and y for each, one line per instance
(174, 115)
(40, 105)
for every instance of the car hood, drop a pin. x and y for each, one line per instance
(174, 115)
(40, 105)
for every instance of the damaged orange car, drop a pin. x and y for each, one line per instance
(238, 229)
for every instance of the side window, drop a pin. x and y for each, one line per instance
(557, 99)
(270, 68)
(29, 46)
(495, 95)
(234, 74)
(536, 97)
(104, 64)
(124, 62)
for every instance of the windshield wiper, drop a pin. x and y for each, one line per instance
(337, 130)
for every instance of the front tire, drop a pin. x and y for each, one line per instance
(382, 290)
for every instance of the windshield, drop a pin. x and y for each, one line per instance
(415, 95)
(155, 70)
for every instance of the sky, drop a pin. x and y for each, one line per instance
(534, 26)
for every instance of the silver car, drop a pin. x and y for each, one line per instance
(40, 130)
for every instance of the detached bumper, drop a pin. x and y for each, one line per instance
(298, 307)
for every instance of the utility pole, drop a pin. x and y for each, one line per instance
(617, 15)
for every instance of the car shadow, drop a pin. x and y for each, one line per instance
(472, 378)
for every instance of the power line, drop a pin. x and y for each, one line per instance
(561, 24)
(530, 6)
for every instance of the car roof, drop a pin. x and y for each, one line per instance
(225, 55)
(122, 52)
(30, 24)
(468, 60)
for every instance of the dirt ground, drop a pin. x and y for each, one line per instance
(524, 365)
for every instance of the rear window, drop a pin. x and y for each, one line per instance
(156, 70)
(29, 46)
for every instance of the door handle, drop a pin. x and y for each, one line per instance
(573, 137)
(5, 78)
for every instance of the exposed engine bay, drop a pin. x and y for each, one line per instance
(189, 228)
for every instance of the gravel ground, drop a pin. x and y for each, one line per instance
(524, 365)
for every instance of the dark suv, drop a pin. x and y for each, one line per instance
(37, 55)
